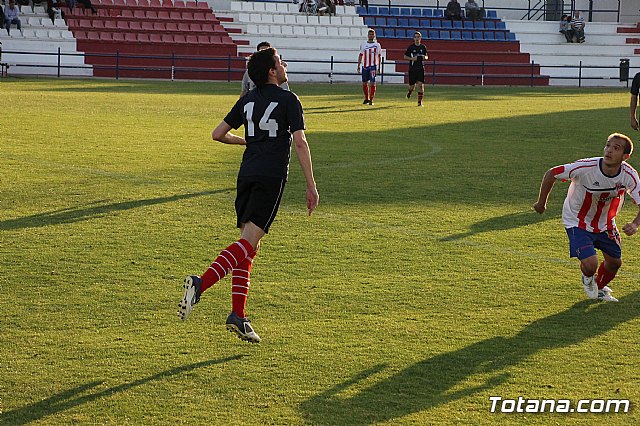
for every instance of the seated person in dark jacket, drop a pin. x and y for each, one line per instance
(453, 11)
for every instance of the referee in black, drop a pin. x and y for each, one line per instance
(272, 119)
(415, 54)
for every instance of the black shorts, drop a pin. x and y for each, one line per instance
(258, 199)
(416, 74)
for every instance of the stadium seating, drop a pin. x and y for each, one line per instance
(150, 27)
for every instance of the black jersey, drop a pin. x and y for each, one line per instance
(419, 52)
(635, 86)
(270, 115)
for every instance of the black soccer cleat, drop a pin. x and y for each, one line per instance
(191, 296)
(242, 328)
(366, 101)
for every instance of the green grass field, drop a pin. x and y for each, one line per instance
(423, 284)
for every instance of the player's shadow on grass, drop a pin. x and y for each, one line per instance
(501, 223)
(479, 367)
(72, 215)
(77, 396)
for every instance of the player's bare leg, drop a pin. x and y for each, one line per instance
(413, 86)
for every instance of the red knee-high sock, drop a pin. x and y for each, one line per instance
(240, 282)
(365, 90)
(372, 92)
(228, 259)
(604, 277)
(420, 96)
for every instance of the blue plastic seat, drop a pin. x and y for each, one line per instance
(383, 11)
(445, 35)
(447, 24)
(394, 11)
(477, 35)
(492, 14)
(405, 11)
(466, 35)
(373, 10)
(436, 23)
(381, 21)
(501, 25)
(369, 21)
(425, 34)
(401, 33)
(500, 36)
(457, 24)
(488, 35)
(389, 33)
(479, 25)
(434, 34)
(438, 13)
(392, 22)
(490, 25)
(511, 36)
(424, 23)
(427, 12)
(414, 23)
(468, 25)
(403, 22)
(361, 10)
(455, 35)
(416, 12)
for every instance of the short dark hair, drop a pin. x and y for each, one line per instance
(262, 44)
(259, 65)
(628, 147)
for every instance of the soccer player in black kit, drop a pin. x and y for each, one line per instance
(415, 54)
(272, 119)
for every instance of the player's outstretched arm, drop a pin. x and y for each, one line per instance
(221, 134)
(632, 227)
(545, 189)
(633, 109)
(304, 157)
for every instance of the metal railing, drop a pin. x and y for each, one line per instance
(226, 68)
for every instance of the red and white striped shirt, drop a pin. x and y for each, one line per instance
(594, 199)
(370, 53)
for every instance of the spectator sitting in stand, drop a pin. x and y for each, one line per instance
(12, 16)
(565, 28)
(87, 4)
(326, 7)
(577, 25)
(453, 11)
(53, 10)
(473, 11)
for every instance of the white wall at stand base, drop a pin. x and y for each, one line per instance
(50, 60)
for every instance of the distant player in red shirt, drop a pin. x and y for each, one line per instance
(595, 196)
(370, 57)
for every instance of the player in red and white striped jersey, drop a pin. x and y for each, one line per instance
(370, 57)
(595, 196)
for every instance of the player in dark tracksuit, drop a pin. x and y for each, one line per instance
(272, 119)
(415, 54)
(633, 106)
